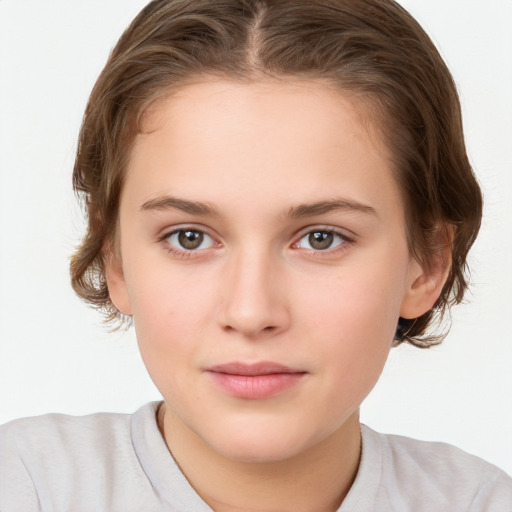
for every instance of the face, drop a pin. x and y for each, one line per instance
(263, 257)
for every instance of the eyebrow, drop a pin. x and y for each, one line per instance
(295, 212)
(322, 207)
(175, 203)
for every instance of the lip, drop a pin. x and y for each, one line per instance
(255, 381)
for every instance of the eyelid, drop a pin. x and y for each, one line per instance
(347, 240)
(163, 238)
(170, 230)
(346, 234)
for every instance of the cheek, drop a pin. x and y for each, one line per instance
(169, 313)
(353, 320)
(165, 296)
(359, 306)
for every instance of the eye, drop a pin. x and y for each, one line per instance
(189, 240)
(321, 240)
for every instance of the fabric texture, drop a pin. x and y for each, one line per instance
(120, 463)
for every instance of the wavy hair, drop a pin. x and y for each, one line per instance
(372, 49)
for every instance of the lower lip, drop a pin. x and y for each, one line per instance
(256, 387)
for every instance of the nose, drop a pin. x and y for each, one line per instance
(253, 295)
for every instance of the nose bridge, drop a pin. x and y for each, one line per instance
(252, 302)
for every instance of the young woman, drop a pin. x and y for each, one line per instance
(277, 193)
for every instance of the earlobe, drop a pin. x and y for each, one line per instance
(426, 281)
(420, 296)
(116, 283)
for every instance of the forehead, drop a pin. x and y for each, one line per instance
(222, 140)
(288, 105)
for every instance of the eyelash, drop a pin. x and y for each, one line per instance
(182, 254)
(185, 254)
(345, 241)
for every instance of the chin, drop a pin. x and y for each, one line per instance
(263, 452)
(259, 444)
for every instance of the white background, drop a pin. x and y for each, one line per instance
(55, 355)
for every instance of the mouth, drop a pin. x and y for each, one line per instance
(255, 381)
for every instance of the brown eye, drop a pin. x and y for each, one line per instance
(189, 240)
(321, 240)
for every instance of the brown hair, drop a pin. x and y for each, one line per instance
(372, 49)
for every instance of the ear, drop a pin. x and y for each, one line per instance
(116, 283)
(425, 281)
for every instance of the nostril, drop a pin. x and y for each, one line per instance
(269, 328)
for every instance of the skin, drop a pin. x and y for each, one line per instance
(257, 290)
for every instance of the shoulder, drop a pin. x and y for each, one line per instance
(64, 425)
(47, 458)
(414, 473)
(61, 437)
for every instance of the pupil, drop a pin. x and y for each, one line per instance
(190, 239)
(321, 240)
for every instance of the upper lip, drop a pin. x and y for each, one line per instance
(252, 369)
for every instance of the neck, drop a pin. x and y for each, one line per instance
(316, 479)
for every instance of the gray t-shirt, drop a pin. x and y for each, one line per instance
(120, 463)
